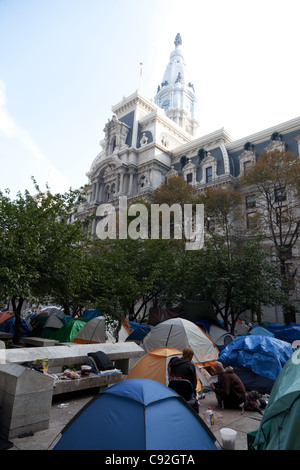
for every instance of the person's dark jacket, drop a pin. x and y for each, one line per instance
(184, 369)
(230, 389)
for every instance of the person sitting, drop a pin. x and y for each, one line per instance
(229, 389)
(184, 368)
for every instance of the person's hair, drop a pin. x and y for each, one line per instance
(187, 353)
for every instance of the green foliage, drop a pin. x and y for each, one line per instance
(37, 243)
(234, 281)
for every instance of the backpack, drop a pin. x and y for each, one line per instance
(101, 361)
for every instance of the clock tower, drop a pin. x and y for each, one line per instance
(176, 93)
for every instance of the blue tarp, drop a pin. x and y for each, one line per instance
(286, 333)
(91, 314)
(137, 414)
(9, 327)
(263, 355)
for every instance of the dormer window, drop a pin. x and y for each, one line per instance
(247, 159)
(208, 174)
(209, 169)
(189, 172)
(189, 178)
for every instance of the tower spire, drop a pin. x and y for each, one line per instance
(176, 94)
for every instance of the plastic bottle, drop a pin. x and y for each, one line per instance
(210, 416)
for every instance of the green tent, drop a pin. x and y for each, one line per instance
(67, 332)
(45, 325)
(280, 425)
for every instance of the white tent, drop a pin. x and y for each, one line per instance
(179, 333)
(220, 336)
(94, 331)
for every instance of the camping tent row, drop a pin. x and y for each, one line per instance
(86, 329)
(256, 359)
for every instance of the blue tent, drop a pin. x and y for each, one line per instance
(137, 414)
(260, 330)
(91, 313)
(263, 355)
(139, 332)
(9, 327)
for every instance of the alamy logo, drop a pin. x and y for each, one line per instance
(187, 222)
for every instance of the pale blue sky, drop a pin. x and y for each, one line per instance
(65, 63)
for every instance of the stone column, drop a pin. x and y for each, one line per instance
(130, 182)
(121, 182)
(94, 192)
(97, 192)
(101, 197)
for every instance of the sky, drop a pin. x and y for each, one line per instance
(65, 63)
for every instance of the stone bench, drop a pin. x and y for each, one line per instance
(86, 382)
(5, 336)
(122, 354)
(26, 395)
(39, 342)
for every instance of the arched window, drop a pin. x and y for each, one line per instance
(107, 193)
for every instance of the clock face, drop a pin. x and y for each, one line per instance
(166, 105)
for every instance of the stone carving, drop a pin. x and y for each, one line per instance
(144, 140)
(178, 40)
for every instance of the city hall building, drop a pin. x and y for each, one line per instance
(148, 140)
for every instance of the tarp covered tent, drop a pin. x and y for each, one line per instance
(289, 333)
(280, 425)
(137, 414)
(67, 333)
(8, 326)
(94, 331)
(254, 381)
(179, 333)
(219, 335)
(263, 355)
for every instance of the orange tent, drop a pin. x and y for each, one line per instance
(5, 316)
(154, 365)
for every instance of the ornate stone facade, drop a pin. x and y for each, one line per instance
(148, 141)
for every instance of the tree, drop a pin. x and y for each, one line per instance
(275, 178)
(130, 274)
(36, 236)
(176, 193)
(175, 190)
(233, 281)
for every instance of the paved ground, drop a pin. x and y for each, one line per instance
(65, 407)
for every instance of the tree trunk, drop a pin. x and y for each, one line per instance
(17, 308)
(289, 311)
